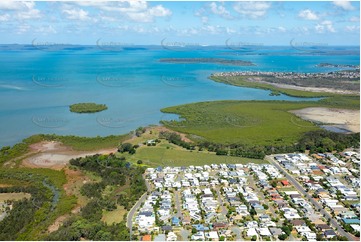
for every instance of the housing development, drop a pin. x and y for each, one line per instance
(293, 197)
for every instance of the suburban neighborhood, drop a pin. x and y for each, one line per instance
(294, 197)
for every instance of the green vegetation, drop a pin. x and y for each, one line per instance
(241, 81)
(8, 153)
(87, 107)
(160, 156)
(88, 143)
(256, 128)
(242, 122)
(30, 217)
(268, 83)
(121, 185)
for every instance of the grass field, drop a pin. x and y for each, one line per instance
(242, 122)
(161, 156)
(115, 216)
(13, 196)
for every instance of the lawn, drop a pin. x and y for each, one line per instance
(242, 122)
(115, 216)
(161, 156)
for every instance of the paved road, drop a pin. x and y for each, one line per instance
(136, 206)
(177, 201)
(220, 201)
(253, 185)
(298, 186)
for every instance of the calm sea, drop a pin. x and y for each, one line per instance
(38, 84)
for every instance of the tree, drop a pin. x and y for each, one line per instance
(125, 147)
(254, 238)
(139, 162)
(282, 236)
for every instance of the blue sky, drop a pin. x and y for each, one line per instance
(204, 23)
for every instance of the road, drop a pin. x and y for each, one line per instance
(220, 201)
(178, 205)
(253, 185)
(134, 209)
(298, 186)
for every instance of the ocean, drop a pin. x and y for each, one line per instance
(37, 85)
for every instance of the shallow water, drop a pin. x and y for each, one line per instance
(37, 86)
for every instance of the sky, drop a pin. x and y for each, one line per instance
(186, 23)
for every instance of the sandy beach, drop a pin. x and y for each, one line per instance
(341, 118)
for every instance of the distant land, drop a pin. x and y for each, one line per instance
(337, 65)
(208, 60)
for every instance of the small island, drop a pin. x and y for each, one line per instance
(87, 107)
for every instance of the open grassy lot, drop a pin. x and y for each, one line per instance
(115, 216)
(242, 122)
(161, 156)
(13, 196)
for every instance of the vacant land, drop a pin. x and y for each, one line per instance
(13, 196)
(115, 216)
(87, 107)
(242, 122)
(161, 156)
(55, 155)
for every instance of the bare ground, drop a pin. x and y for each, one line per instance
(342, 118)
(55, 155)
(301, 88)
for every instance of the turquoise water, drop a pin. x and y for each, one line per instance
(37, 86)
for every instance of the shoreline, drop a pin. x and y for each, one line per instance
(294, 84)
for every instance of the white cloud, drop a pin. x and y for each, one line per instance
(281, 29)
(137, 11)
(352, 28)
(252, 10)
(219, 10)
(345, 5)
(19, 10)
(4, 17)
(325, 26)
(46, 30)
(76, 14)
(354, 19)
(308, 14)
(14, 5)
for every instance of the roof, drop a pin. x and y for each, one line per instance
(351, 221)
(298, 222)
(147, 237)
(329, 232)
(285, 182)
(323, 226)
(166, 228)
(160, 237)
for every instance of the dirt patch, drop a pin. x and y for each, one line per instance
(13, 196)
(55, 155)
(162, 128)
(341, 118)
(301, 88)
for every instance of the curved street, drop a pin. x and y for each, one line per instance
(135, 208)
